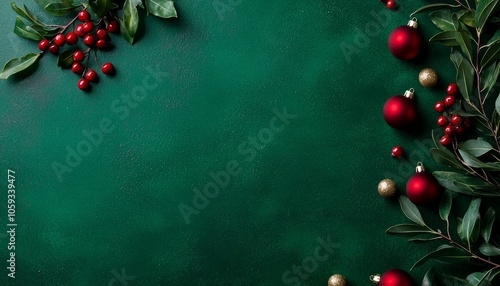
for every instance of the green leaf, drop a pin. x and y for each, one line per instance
(59, 9)
(65, 59)
(487, 224)
(130, 22)
(100, 7)
(22, 30)
(411, 211)
(25, 13)
(468, 18)
(442, 20)
(474, 162)
(449, 38)
(491, 55)
(444, 253)
(490, 77)
(445, 205)
(457, 58)
(433, 7)
(464, 184)
(43, 3)
(460, 231)
(161, 8)
(465, 79)
(445, 157)
(478, 279)
(497, 104)
(475, 147)
(484, 10)
(471, 222)
(489, 250)
(465, 43)
(430, 278)
(18, 64)
(495, 38)
(407, 230)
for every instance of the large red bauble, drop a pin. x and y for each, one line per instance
(405, 42)
(400, 112)
(396, 277)
(423, 189)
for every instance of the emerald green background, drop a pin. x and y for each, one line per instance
(227, 71)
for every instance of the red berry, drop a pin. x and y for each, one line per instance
(456, 120)
(108, 68)
(54, 49)
(71, 38)
(467, 123)
(449, 130)
(102, 34)
(397, 151)
(78, 56)
(452, 89)
(391, 4)
(43, 45)
(442, 121)
(88, 27)
(113, 26)
(445, 140)
(459, 130)
(77, 68)
(79, 31)
(83, 84)
(89, 40)
(84, 16)
(439, 107)
(101, 44)
(91, 75)
(449, 100)
(60, 40)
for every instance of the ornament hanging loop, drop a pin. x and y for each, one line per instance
(375, 279)
(409, 93)
(420, 168)
(413, 23)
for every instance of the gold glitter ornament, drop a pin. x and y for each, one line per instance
(337, 280)
(387, 188)
(428, 77)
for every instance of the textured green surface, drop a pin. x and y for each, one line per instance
(223, 72)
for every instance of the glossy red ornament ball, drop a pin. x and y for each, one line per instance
(452, 89)
(442, 121)
(422, 188)
(445, 140)
(405, 42)
(391, 5)
(397, 152)
(400, 111)
(396, 277)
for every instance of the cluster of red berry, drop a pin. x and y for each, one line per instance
(390, 4)
(454, 125)
(95, 35)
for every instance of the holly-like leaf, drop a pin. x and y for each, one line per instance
(24, 31)
(161, 8)
(442, 20)
(475, 147)
(465, 79)
(471, 222)
(100, 7)
(484, 10)
(489, 250)
(411, 211)
(65, 59)
(487, 224)
(444, 253)
(59, 9)
(445, 157)
(491, 55)
(445, 205)
(18, 64)
(408, 230)
(434, 7)
(130, 22)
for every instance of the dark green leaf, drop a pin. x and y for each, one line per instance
(18, 64)
(21, 30)
(65, 59)
(442, 20)
(407, 230)
(434, 7)
(468, 18)
(478, 279)
(489, 250)
(465, 79)
(497, 103)
(474, 162)
(100, 7)
(423, 240)
(491, 55)
(455, 21)
(490, 77)
(411, 211)
(484, 10)
(455, 281)
(161, 8)
(464, 184)
(445, 157)
(43, 3)
(460, 231)
(457, 58)
(130, 20)
(59, 9)
(495, 38)
(430, 278)
(471, 222)
(445, 205)
(444, 253)
(465, 43)
(114, 6)
(467, 114)
(475, 147)
(447, 37)
(25, 13)
(487, 224)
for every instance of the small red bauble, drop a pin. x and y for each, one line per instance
(405, 42)
(449, 130)
(113, 26)
(77, 68)
(393, 277)
(54, 49)
(43, 45)
(422, 188)
(459, 130)
(400, 111)
(449, 100)
(101, 44)
(71, 38)
(391, 5)
(84, 16)
(78, 56)
(397, 152)
(91, 75)
(439, 106)
(60, 40)
(88, 27)
(442, 121)
(89, 40)
(79, 31)
(445, 140)
(456, 120)
(108, 68)
(83, 84)
(102, 34)
(452, 89)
